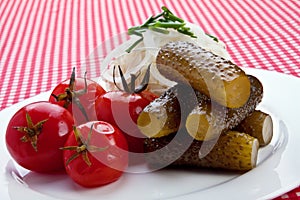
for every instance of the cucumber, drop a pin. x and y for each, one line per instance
(219, 79)
(209, 119)
(259, 125)
(232, 151)
(166, 113)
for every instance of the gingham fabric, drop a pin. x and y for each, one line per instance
(40, 40)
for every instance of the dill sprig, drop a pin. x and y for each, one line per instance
(160, 23)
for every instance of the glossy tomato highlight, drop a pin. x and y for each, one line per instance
(78, 95)
(35, 133)
(122, 109)
(95, 154)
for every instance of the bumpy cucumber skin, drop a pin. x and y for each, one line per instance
(216, 119)
(219, 79)
(233, 151)
(166, 113)
(253, 125)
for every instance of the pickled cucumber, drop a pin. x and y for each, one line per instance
(233, 151)
(208, 119)
(165, 114)
(219, 79)
(259, 125)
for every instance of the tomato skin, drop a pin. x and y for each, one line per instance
(122, 109)
(115, 106)
(94, 90)
(55, 131)
(107, 165)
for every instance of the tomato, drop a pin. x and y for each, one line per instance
(35, 133)
(95, 154)
(78, 95)
(122, 108)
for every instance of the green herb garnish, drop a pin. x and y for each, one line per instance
(160, 23)
(213, 37)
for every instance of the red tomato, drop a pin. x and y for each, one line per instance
(95, 154)
(35, 133)
(71, 94)
(122, 109)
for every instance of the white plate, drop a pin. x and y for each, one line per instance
(277, 171)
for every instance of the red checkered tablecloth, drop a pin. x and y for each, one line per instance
(41, 39)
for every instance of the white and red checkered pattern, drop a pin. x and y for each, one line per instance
(41, 39)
